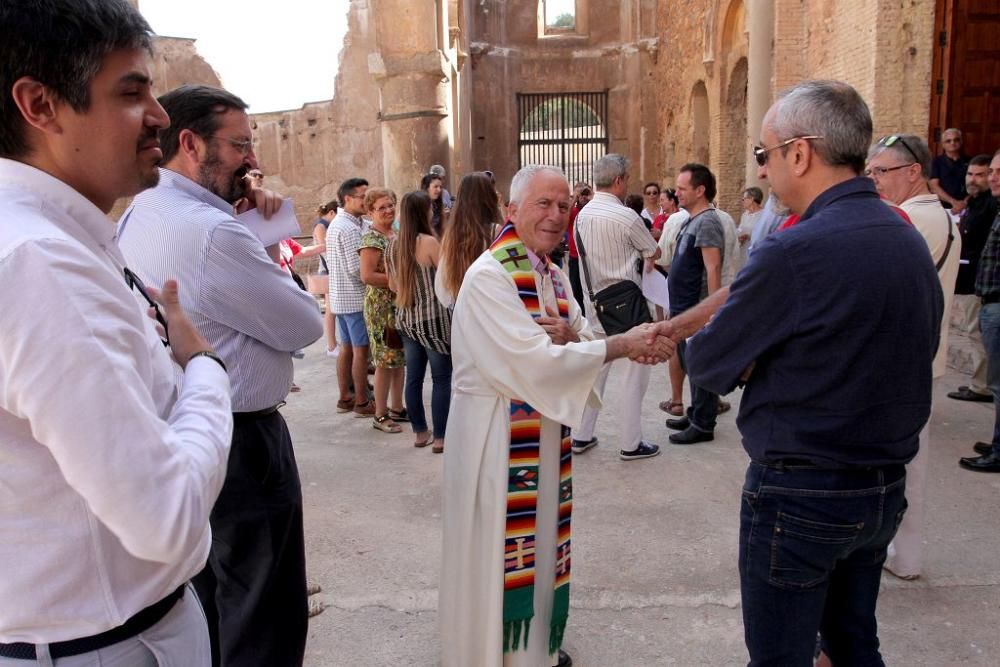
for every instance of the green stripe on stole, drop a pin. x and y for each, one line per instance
(522, 487)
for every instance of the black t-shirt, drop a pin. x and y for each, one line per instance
(687, 280)
(951, 174)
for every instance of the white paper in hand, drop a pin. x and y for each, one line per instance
(654, 288)
(281, 226)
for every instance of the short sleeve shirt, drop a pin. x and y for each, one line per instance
(688, 282)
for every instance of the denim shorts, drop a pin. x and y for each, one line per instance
(352, 329)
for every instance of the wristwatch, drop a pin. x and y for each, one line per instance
(211, 355)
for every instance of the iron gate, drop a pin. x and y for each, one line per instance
(566, 130)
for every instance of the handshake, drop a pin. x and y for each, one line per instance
(646, 344)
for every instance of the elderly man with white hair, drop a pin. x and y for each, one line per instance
(525, 362)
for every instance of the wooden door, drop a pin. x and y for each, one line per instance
(965, 82)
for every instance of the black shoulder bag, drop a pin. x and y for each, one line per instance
(619, 307)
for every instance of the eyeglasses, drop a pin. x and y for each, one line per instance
(244, 146)
(652, 193)
(892, 139)
(135, 283)
(760, 152)
(879, 172)
(387, 207)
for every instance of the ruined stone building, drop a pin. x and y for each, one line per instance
(489, 84)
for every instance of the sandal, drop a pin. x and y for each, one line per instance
(438, 448)
(399, 415)
(675, 408)
(386, 425)
(424, 443)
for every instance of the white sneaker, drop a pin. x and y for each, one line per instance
(335, 352)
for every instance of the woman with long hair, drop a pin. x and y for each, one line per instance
(326, 213)
(380, 313)
(475, 221)
(424, 324)
(433, 185)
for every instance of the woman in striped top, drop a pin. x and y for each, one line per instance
(424, 324)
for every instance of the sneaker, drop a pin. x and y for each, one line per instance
(643, 451)
(580, 446)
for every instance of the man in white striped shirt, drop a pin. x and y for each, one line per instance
(254, 588)
(617, 246)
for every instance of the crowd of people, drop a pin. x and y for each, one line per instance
(151, 511)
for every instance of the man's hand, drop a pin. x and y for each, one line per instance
(635, 344)
(185, 340)
(556, 327)
(266, 201)
(958, 205)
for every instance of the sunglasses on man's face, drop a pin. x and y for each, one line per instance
(134, 282)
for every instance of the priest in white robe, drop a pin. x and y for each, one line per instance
(518, 337)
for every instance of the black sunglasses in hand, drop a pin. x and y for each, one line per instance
(134, 282)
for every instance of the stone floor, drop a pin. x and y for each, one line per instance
(655, 580)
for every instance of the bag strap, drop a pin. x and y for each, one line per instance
(583, 260)
(947, 248)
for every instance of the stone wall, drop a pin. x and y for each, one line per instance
(882, 47)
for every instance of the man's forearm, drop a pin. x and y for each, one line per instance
(691, 320)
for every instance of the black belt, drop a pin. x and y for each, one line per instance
(141, 622)
(257, 414)
(991, 298)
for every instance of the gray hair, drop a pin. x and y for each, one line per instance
(952, 130)
(907, 147)
(437, 170)
(832, 110)
(524, 175)
(608, 168)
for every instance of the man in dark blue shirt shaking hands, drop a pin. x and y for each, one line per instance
(832, 325)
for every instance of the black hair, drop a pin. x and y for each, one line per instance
(981, 160)
(634, 202)
(671, 195)
(654, 184)
(701, 176)
(194, 108)
(349, 186)
(62, 45)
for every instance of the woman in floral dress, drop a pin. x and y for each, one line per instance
(386, 347)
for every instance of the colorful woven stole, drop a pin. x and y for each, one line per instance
(522, 482)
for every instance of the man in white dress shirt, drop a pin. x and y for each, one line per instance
(111, 459)
(254, 590)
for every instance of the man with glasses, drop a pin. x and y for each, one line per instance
(831, 328)
(347, 297)
(111, 458)
(947, 179)
(899, 164)
(254, 587)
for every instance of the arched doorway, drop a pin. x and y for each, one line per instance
(733, 152)
(700, 124)
(565, 130)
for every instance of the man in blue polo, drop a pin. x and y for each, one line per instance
(832, 326)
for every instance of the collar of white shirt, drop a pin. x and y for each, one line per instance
(84, 221)
(181, 182)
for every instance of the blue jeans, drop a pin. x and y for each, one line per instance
(989, 324)
(417, 357)
(704, 404)
(812, 544)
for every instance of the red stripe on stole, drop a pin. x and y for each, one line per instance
(515, 525)
(520, 579)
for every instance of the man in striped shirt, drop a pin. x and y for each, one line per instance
(254, 315)
(617, 246)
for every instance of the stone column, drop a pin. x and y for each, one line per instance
(760, 24)
(412, 75)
